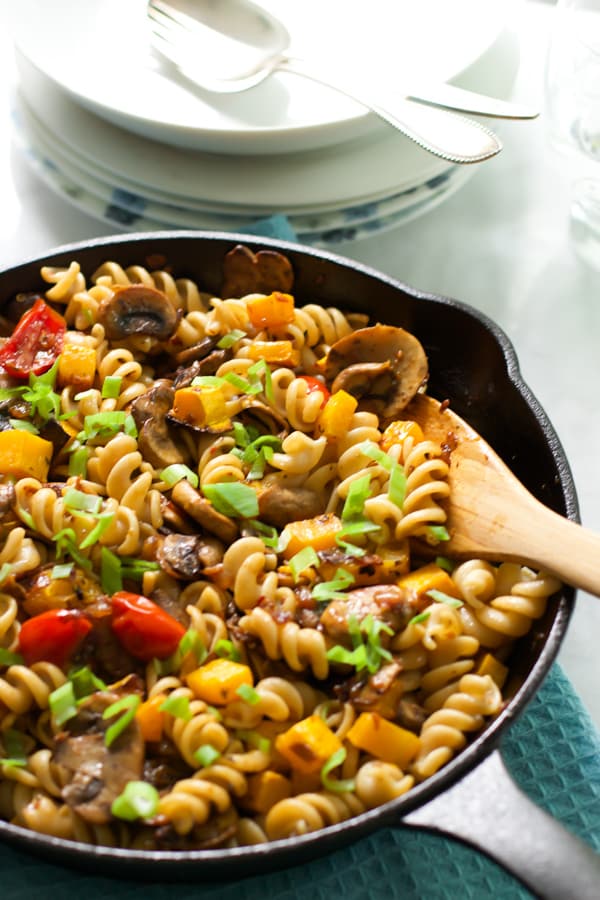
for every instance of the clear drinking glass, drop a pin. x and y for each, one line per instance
(573, 114)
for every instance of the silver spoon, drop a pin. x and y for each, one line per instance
(228, 46)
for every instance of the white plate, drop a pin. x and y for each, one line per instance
(34, 141)
(317, 180)
(99, 51)
(354, 227)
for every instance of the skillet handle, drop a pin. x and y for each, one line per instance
(487, 810)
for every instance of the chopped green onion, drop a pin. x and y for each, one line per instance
(135, 568)
(62, 703)
(102, 424)
(83, 395)
(373, 451)
(23, 425)
(420, 617)
(8, 658)
(242, 384)
(178, 707)
(349, 529)
(61, 571)
(5, 572)
(267, 533)
(139, 800)
(130, 428)
(227, 650)
(358, 492)
(78, 461)
(26, 517)
(111, 387)
(331, 784)
(368, 652)
(438, 533)
(129, 704)
(207, 381)
(248, 694)
(397, 485)
(191, 642)
(330, 590)
(303, 560)
(177, 472)
(441, 597)
(78, 500)
(254, 739)
(232, 498)
(444, 563)
(214, 712)
(110, 572)
(15, 748)
(206, 754)
(231, 338)
(85, 682)
(262, 368)
(65, 543)
(104, 521)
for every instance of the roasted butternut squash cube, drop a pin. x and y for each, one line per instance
(384, 740)
(24, 454)
(308, 744)
(431, 577)
(336, 416)
(76, 366)
(318, 533)
(272, 310)
(217, 681)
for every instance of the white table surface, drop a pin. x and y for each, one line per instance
(500, 244)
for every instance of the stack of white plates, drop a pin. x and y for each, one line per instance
(124, 137)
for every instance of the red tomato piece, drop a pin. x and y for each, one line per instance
(144, 629)
(53, 636)
(315, 385)
(36, 342)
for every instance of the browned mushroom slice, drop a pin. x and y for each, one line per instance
(278, 505)
(245, 272)
(155, 440)
(386, 602)
(185, 556)
(137, 309)
(266, 419)
(97, 774)
(202, 511)
(382, 365)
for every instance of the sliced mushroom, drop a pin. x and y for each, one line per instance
(185, 556)
(278, 505)
(245, 272)
(382, 365)
(97, 774)
(155, 440)
(387, 602)
(137, 309)
(203, 512)
(267, 419)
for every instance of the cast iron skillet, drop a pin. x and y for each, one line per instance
(474, 365)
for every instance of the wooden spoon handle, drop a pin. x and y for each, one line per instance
(561, 547)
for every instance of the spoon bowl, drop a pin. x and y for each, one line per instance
(492, 516)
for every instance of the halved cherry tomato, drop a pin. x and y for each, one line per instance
(53, 636)
(143, 628)
(36, 342)
(315, 385)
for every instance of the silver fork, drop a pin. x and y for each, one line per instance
(212, 49)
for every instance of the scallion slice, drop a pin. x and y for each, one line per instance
(303, 560)
(139, 800)
(191, 642)
(23, 425)
(248, 694)
(254, 739)
(128, 706)
(397, 485)
(15, 743)
(5, 572)
(358, 492)
(61, 571)
(331, 784)
(177, 472)
(110, 572)
(331, 590)
(206, 754)
(104, 521)
(85, 682)
(9, 658)
(111, 387)
(78, 461)
(441, 597)
(231, 338)
(232, 498)
(178, 707)
(227, 650)
(82, 502)
(444, 563)
(63, 703)
(438, 533)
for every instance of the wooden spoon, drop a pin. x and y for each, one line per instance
(491, 515)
